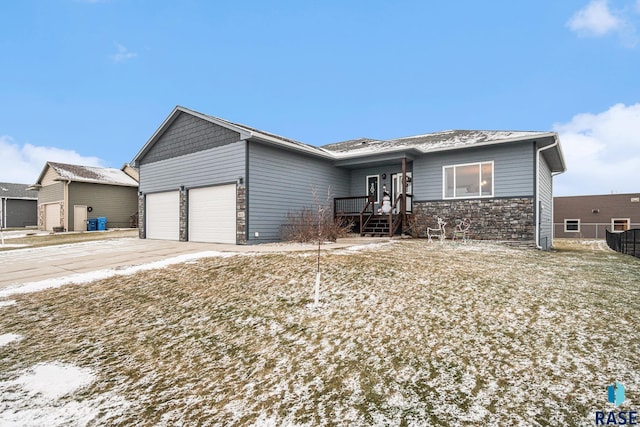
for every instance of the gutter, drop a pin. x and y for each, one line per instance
(538, 151)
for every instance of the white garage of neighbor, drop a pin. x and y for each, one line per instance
(51, 216)
(212, 214)
(163, 215)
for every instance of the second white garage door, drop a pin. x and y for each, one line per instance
(212, 214)
(163, 216)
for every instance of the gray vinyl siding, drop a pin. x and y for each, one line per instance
(20, 213)
(281, 181)
(359, 178)
(116, 203)
(186, 135)
(217, 165)
(513, 169)
(545, 200)
(51, 193)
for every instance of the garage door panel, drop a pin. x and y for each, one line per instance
(163, 216)
(212, 214)
(51, 216)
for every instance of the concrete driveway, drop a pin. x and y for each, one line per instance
(50, 262)
(34, 264)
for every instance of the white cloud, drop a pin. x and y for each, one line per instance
(123, 54)
(595, 19)
(23, 163)
(602, 152)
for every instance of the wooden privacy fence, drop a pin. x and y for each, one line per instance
(626, 242)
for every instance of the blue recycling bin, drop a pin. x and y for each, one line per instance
(92, 225)
(102, 223)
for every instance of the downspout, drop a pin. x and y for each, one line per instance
(537, 229)
(3, 209)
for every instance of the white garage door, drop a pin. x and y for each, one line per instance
(212, 214)
(163, 216)
(51, 216)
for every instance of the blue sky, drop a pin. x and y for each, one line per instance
(90, 81)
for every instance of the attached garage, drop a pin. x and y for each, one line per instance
(212, 214)
(163, 215)
(51, 216)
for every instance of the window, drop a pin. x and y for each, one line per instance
(572, 225)
(373, 184)
(468, 180)
(620, 224)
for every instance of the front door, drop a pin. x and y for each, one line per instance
(396, 188)
(79, 218)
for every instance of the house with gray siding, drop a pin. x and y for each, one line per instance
(18, 205)
(203, 178)
(69, 195)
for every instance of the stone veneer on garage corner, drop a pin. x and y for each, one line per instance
(508, 219)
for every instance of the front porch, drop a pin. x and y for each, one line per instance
(386, 205)
(371, 221)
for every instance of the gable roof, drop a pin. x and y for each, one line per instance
(90, 174)
(246, 132)
(363, 147)
(17, 191)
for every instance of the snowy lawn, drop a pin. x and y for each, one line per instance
(407, 333)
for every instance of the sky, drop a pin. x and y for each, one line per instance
(89, 82)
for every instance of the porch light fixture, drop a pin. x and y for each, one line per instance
(240, 180)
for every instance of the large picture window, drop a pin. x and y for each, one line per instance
(468, 180)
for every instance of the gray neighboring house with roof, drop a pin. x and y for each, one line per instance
(69, 195)
(18, 205)
(203, 178)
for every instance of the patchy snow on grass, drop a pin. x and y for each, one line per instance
(54, 380)
(7, 303)
(406, 334)
(47, 395)
(8, 338)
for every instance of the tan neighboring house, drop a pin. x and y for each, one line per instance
(69, 195)
(589, 216)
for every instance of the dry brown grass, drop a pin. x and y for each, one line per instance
(410, 333)
(64, 238)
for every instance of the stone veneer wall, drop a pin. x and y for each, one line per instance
(508, 219)
(241, 215)
(184, 215)
(142, 231)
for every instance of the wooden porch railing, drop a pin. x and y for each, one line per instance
(363, 223)
(348, 205)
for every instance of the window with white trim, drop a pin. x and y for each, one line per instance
(571, 225)
(620, 224)
(467, 180)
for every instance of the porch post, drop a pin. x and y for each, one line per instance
(403, 202)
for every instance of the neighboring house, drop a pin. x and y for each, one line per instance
(18, 205)
(68, 195)
(589, 216)
(206, 179)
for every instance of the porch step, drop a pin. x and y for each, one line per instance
(378, 226)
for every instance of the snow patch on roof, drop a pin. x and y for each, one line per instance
(438, 141)
(93, 174)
